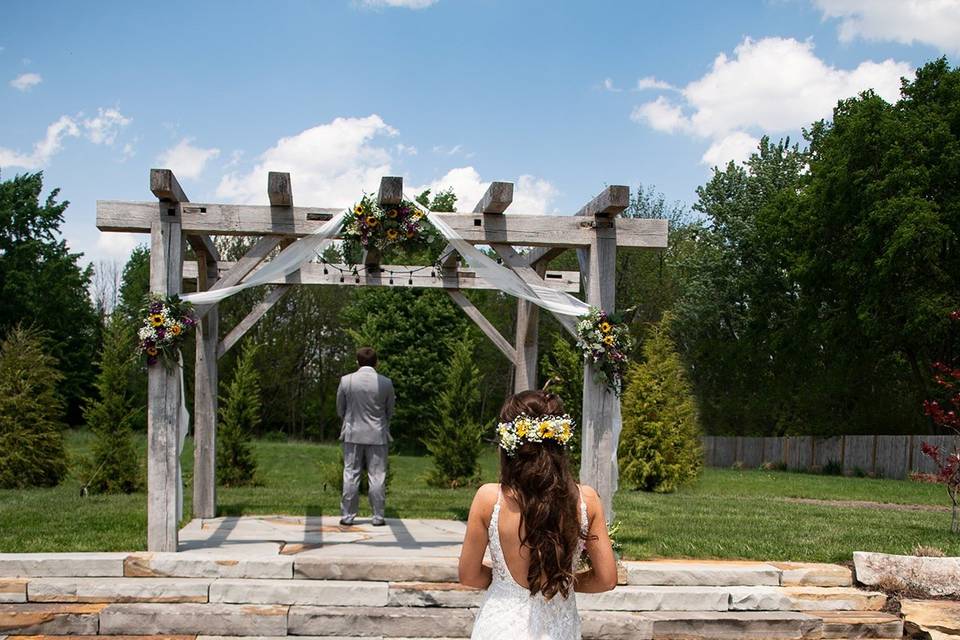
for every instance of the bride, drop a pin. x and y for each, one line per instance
(537, 521)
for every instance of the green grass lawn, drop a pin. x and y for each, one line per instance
(726, 514)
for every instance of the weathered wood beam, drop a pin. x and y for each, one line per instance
(258, 311)
(542, 255)
(256, 220)
(279, 189)
(497, 198)
(610, 202)
(391, 191)
(449, 258)
(485, 325)
(460, 278)
(237, 271)
(164, 185)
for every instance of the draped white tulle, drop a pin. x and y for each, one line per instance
(509, 611)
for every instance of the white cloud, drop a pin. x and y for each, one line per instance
(43, 150)
(773, 85)
(650, 82)
(448, 151)
(406, 149)
(932, 22)
(104, 127)
(26, 81)
(112, 245)
(187, 160)
(608, 85)
(530, 194)
(330, 164)
(404, 4)
(736, 146)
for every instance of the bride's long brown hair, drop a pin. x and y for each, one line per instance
(539, 478)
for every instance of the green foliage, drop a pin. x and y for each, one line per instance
(563, 367)
(31, 413)
(411, 330)
(455, 437)
(42, 284)
(134, 283)
(660, 443)
(113, 414)
(239, 417)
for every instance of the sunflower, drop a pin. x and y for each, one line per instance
(392, 213)
(545, 430)
(175, 329)
(411, 233)
(605, 327)
(358, 209)
(152, 351)
(392, 234)
(609, 340)
(522, 427)
(372, 221)
(156, 319)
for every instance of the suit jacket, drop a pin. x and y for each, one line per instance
(365, 401)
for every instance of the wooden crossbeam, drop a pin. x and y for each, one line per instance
(279, 189)
(257, 220)
(608, 203)
(496, 199)
(485, 325)
(271, 298)
(313, 273)
(164, 185)
(542, 255)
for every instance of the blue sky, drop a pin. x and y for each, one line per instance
(560, 97)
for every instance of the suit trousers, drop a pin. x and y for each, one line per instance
(355, 458)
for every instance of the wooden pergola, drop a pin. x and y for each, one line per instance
(595, 232)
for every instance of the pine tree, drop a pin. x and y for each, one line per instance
(239, 416)
(660, 444)
(563, 366)
(31, 413)
(112, 416)
(454, 439)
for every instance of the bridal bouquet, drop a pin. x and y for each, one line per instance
(165, 324)
(605, 340)
(375, 227)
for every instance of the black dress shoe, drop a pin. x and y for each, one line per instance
(346, 522)
(378, 522)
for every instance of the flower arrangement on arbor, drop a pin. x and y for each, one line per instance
(605, 341)
(166, 321)
(375, 227)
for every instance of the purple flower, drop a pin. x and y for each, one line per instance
(152, 360)
(161, 332)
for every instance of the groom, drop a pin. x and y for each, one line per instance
(365, 401)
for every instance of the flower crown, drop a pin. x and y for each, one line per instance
(534, 429)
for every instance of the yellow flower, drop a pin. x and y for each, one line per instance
(392, 213)
(156, 320)
(358, 209)
(392, 234)
(175, 329)
(522, 427)
(411, 233)
(605, 327)
(545, 430)
(609, 340)
(372, 221)
(152, 351)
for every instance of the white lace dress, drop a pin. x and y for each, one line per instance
(509, 611)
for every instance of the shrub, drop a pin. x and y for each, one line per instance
(660, 444)
(239, 416)
(32, 452)
(455, 436)
(832, 468)
(115, 466)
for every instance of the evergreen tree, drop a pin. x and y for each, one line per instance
(660, 444)
(31, 413)
(134, 287)
(239, 416)
(454, 439)
(563, 367)
(43, 285)
(115, 467)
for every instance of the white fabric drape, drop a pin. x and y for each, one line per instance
(183, 425)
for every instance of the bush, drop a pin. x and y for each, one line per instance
(115, 467)
(660, 444)
(239, 416)
(455, 435)
(32, 453)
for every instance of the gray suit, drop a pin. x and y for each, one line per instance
(365, 401)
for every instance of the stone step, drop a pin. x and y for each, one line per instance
(189, 618)
(702, 574)
(860, 624)
(301, 592)
(109, 590)
(401, 569)
(52, 619)
(187, 565)
(13, 590)
(77, 565)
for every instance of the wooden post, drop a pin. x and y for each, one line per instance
(598, 467)
(390, 194)
(163, 384)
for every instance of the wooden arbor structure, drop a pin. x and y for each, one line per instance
(173, 221)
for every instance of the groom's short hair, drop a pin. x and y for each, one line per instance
(366, 357)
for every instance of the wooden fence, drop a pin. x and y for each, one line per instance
(883, 456)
